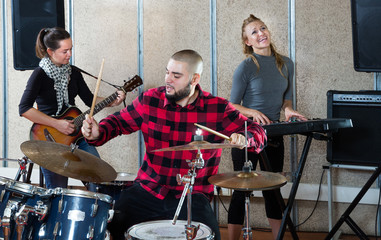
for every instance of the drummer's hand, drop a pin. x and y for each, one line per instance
(90, 128)
(238, 139)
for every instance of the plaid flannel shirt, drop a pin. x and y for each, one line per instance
(164, 124)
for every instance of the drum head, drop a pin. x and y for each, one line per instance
(164, 229)
(121, 179)
(125, 177)
(4, 180)
(80, 193)
(25, 188)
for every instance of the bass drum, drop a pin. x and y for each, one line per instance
(164, 229)
(114, 188)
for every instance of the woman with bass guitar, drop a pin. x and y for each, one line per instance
(53, 86)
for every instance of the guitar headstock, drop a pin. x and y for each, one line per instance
(133, 83)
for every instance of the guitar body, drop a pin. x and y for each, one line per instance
(46, 133)
(38, 131)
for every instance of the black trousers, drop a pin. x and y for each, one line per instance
(136, 205)
(275, 154)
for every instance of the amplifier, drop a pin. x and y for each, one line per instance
(361, 144)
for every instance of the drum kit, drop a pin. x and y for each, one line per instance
(32, 212)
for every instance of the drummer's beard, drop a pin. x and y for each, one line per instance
(179, 95)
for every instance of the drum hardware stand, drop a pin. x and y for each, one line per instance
(24, 161)
(21, 217)
(22, 170)
(190, 230)
(247, 166)
(7, 216)
(19, 213)
(247, 234)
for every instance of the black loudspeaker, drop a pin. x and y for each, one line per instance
(28, 18)
(360, 145)
(366, 33)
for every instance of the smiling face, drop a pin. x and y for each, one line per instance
(258, 37)
(61, 55)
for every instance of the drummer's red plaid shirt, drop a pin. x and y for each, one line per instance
(165, 125)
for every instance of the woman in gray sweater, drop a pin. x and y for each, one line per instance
(262, 87)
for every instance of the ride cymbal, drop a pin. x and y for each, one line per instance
(60, 158)
(249, 181)
(195, 145)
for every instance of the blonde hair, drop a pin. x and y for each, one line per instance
(248, 50)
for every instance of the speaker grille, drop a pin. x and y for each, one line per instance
(366, 31)
(29, 17)
(360, 145)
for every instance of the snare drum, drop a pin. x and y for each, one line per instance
(77, 214)
(164, 229)
(23, 208)
(114, 188)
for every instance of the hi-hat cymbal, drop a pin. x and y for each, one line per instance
(195, 145)
(60, 158)
(249, 181)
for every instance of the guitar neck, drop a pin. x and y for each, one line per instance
(97, 108)
(128, 86)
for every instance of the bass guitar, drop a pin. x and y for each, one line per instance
(43, 132)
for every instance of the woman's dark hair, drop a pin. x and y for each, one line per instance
(248, 50)
(49, 38)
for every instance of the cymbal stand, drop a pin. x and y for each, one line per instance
(191, 230)
(247, 166)
(247, 234)
(22, 170)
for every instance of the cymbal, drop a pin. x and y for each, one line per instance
(60, 158)
(195, 145)
(249, 181)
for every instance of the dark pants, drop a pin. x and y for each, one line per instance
(136, 205)
(275, 154)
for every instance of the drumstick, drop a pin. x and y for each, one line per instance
(96, 89)
(214, 132)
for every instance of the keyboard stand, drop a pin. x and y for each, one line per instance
(346, 218)
(286, 219)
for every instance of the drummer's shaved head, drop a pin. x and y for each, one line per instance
(194, 60)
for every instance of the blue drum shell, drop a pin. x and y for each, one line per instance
(75, 218)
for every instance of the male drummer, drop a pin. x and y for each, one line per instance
(166, 117)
